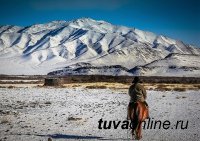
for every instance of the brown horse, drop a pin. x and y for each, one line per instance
(139, 112)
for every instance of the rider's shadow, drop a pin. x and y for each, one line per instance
(64, 136)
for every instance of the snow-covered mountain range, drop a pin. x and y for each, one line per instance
(87, 46)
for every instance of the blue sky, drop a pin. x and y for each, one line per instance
(178, 19)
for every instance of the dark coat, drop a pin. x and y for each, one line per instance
(137, 92)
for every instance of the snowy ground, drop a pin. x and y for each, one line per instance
(37, 113)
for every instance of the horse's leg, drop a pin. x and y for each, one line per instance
(139, 126)
(132, 133)
(133, 128)
(130, 113)
(139, 134)
(146, 113)
(134, 122)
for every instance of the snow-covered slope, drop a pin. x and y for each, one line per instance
(171, 65)
(55, 46)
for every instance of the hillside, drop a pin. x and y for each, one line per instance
(87, 46)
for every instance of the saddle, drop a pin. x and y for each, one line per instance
(131, 107)
(132, 104)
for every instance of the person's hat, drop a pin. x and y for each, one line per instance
(136, 79)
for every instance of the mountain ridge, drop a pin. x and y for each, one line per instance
(46, 48)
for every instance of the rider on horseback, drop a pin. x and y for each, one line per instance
(137, 92)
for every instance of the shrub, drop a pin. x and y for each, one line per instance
(53, 82)
(179, 89)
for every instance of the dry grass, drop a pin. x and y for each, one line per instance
(179, 89)
(98, 85)
(73, 119)
(11, 87)
(197, 85)
(48, 103)
(175, 87)
(179, 97)
(5, 119)
(118, 86)
(148, 86)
